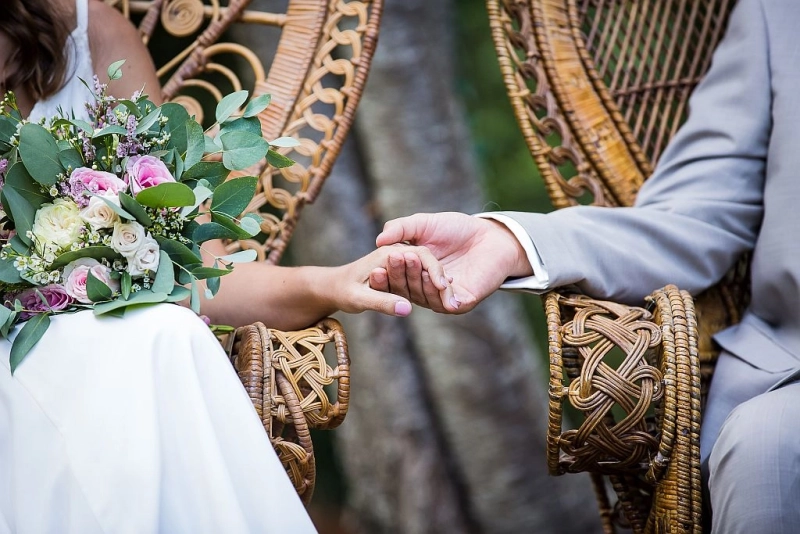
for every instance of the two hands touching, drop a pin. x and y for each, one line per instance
(448, 262)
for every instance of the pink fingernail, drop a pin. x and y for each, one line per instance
(443, 281)
(402, 308)
(454, 302)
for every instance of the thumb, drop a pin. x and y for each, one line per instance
(405, 229)
(386, 303)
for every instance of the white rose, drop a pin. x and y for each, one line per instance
(127, 238)
(58, 223)
(145, 258)
(99, 214)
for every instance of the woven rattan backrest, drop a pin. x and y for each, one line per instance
(651, 54)
(315, 77)
(600, 86)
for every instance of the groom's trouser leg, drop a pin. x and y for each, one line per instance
(754, 467)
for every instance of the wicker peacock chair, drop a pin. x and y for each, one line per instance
(599, 87)
(315, 78)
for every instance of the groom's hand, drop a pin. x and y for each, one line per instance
(478, 254)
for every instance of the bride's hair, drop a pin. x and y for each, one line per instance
(38, 32)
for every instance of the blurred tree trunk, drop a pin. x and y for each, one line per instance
(446, 430)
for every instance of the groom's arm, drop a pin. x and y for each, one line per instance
(703, 206)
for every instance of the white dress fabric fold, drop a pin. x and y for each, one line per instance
(136, 424)
(133, 425)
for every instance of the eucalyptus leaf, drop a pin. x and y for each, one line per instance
(243, 256)
(28, 337)
(117, 209)
(8, 273)
(179, 253)
(201, 273)
(257, 105)
(115, 70)
(212, 230)
(278, 160)
(125, 284)
(166, 195)
(165, 276)
(195, 147)
(130, 106)
(8, 324)
(134, 208)
(201, 194)
(252, 125)
(194, 303)
(242, 149)
(140, 297)
(83, 125)
(109, 130)
(285, 142)
(96, 289)
(250, 226)
(176, 125)
(22, 213)
(5, 313)
(39, 153)
(147, 122)
(214, 172)
(232, 197)
(8, 129)
(228, 105)
(230, 224)
(178, 294)
(19, 178)
(209, 145)
(97, 253)
(213, 285)
(70, 158)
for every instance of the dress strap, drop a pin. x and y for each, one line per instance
(82, 14)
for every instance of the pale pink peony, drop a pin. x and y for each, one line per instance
(55, 295)
(146, 171)
(98, 182)
(76, 275)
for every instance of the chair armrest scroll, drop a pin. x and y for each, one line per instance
(633, 373)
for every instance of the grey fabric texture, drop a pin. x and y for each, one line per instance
(728, 183)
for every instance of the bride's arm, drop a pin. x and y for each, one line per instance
(281, 297)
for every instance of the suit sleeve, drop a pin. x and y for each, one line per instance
(703, 206)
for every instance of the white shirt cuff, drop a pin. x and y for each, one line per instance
(540, 281)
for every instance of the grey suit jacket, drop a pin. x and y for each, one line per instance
(728, 183)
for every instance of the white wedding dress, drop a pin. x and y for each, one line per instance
(133, 425)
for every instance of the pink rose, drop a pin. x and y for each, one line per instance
(55, 295)
(146, 171)
(98, 182)
(76, 275)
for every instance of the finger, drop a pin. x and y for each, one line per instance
(396, 269)
(414, 278)
(386, 303)
(433, 297)
(379, 280)
(405, 229)
(434, 267)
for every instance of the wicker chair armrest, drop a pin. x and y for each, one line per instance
(285, 374)
(634, 375)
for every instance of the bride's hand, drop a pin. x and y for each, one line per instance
(348, 289)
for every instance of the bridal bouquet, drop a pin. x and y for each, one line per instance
(103, 214)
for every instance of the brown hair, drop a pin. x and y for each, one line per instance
(38, 32)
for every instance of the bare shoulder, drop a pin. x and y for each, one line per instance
(112, 37)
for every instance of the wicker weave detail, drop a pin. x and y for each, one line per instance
(628, 370)
(285, 374)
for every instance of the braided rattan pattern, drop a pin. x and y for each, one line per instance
(651, 54)
(284, 374)
(636, 429)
